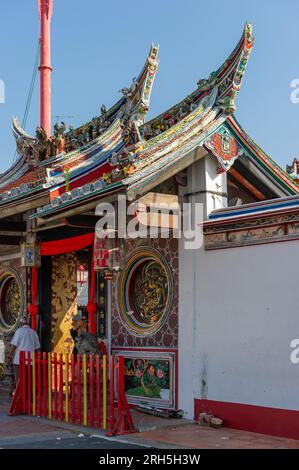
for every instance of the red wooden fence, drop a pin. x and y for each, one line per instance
(78, 389)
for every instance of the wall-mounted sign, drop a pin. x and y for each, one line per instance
(30, 255)
(107, 254)
(102, 305)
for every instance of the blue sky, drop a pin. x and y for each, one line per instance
(98, 47)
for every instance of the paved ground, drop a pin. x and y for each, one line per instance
(198, 437)
(24, 432)
(70, 443)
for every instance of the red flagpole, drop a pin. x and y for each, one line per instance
(45, 11)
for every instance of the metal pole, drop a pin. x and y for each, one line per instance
(45, 12)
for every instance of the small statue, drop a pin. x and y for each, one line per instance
(41, 148)
(53, 146)
(182, 112)
(130, 132)
(129, 91)
(59, 130)
(59, 136)
(103, 121)
(147, 132)
(116, 174)
(207, 84)
(225, 142)
(171, 121)
(113, 160)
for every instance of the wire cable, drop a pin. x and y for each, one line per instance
(30, 93)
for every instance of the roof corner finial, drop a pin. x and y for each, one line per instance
(248, 33)
(228, 88)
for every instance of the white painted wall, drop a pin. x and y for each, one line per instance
(238, 312)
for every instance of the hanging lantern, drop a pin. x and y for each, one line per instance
(30, 255)
(108, 254)
(82, 275)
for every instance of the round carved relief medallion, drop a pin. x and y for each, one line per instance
(11, 301)
(145, 291)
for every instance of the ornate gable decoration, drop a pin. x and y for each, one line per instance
(225, 148)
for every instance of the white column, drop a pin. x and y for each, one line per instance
(205, 185)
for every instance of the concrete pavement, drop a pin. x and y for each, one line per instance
(27, 432)
(193, 436)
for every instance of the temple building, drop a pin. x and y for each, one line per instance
(212, 324)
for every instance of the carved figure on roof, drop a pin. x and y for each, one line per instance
(225, 141)
(40, 135)
(53, 146)
(182, 112)
(147, 132)
(106, 178)
(56, 129)
(207, 84)
(90, 133)
(71, 142)
(172, 120)
(59, 136)
(129, 91)
(116, 174)
(41, 147)
(59, 130)
(103, 121)
(24, 148)
(130, 131)
(190, 103)
(227, 103)
(114, 160)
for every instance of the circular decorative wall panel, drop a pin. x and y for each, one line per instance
(11, 301)
(145, 291)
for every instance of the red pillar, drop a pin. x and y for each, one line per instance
(92, 306)
(45, 11)
(33, 307)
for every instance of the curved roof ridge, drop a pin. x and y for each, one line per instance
(228, 79)
(261, 154)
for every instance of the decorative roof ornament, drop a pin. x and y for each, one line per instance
(206, 84)
(138, 100)
(39, 148)
(130, 132)
(138, 156)
(139, 93)
(230, 83)
(23, 140)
